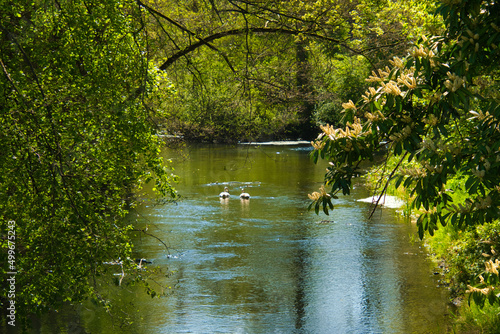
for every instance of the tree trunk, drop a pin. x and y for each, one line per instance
(307, 128)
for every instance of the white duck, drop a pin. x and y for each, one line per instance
(244, 195)
(225, 193)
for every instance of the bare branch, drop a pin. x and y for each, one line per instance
(387, 184)
(154, 236)
(240, 31)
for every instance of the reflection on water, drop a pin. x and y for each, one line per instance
(267, 265)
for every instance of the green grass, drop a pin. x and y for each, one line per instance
(473, 319)
(461, 250)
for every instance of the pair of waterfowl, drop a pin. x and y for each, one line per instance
(225, 194)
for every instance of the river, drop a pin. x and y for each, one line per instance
(268, 265)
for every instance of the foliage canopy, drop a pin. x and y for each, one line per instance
(250, 69)
(439, 108)
(76, 140)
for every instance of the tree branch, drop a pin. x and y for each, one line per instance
(387, 184)
(155, 12)
(233, 32)
(154, 236)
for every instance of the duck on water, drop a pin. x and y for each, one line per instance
(225, 193)
(244, 195)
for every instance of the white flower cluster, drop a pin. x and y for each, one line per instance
(488, 255)
(432, 120)
(454, 82)
(397, 62)
(351, 130)
(349, 105)
(482, 203)
(440, 146)
(318, 144)
(371, 94)
(376, 116)
(479, 204)
(483, 117)
(317, 195)
(434, 169)
(421, 52)
(485, 291)
(408, 81)
(381, 76)
(479, 173)
(472, 39)
(413, 172)
(393, 86)
(492, 267)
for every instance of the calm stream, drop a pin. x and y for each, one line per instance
(267, 265)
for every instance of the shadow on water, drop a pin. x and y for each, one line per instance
(267, 265)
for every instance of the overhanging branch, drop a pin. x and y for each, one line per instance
(240, 31)
(309, 32)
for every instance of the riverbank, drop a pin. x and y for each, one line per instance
(459, 253)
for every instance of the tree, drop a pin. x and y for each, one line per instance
(439, 109)
(76, 142)
(263, 55)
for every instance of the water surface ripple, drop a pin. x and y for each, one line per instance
(267, 265)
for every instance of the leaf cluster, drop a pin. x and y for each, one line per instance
(426, 109)
(267, 65)
(76, 141)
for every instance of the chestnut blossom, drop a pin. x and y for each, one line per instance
(391, 88)
(485, 291)
(454, 82)
(317, 195)
(492, 267)
(349, 105)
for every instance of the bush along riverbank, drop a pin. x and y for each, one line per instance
(469, 256)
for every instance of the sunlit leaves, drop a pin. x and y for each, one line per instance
(421, 106)
(76, 140)
(428, 107)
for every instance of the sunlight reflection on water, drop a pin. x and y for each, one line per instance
(270, 266)
(267, 265)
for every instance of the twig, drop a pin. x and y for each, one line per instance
(154, 236)
(387, 184)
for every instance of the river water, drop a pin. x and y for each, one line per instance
(267, 265)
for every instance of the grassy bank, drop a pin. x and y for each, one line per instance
(460, 250)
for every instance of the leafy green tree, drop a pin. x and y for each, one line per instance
(265, 58)
(76, 142)
(438, 108)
